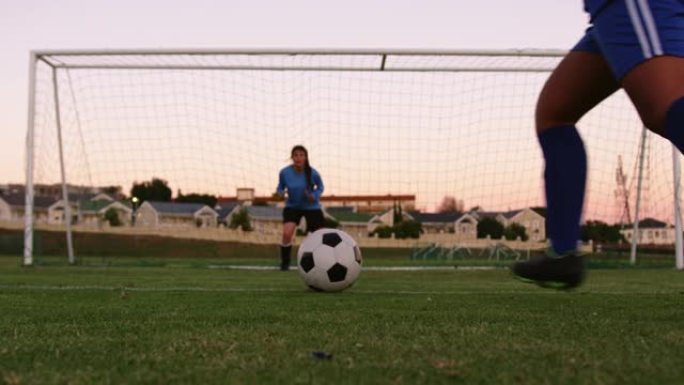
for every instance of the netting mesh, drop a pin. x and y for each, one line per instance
(429, 125)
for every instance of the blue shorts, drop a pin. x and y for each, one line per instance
(629, 32)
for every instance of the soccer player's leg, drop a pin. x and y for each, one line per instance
(290, 220)
(643, 44)
(581, 81)
(656, 87)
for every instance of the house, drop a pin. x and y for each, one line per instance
(533, 222)
(386, 219)
(12, 188)
(223, 210)
(531, 219)
(264, 219)
(371, 203)
(55, 190)
(652, 232)
(169, 214)
(5, 210)
(465, 227)
(246, 196)
(350, 221)
(436, 222)
(56, 211)
(12, 207)
(92, 212)
(359, 203)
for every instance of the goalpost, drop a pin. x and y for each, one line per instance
(376, 122)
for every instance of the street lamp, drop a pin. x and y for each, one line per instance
(134, 201)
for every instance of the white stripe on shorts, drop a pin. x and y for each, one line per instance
(638, 28)
(651, 27)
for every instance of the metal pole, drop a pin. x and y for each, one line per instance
(635, 227)
(28, 206)
(65, 193)
(679, 257)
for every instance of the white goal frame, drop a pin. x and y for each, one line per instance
(46, 55)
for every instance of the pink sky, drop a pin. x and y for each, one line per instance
(42, 24)
(501, 24)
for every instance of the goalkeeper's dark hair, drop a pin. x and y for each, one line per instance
(307, 166)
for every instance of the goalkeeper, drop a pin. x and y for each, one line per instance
(304, 187)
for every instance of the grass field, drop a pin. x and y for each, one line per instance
(176, 321)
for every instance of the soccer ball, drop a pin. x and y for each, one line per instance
(329, 260)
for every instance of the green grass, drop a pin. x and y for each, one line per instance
(177, 322)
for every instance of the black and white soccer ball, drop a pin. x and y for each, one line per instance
(329, 260)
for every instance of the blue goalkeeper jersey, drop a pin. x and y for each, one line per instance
(296, 185)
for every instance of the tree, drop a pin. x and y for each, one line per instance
(382, 231)
(408, 229)
(206, 199)
(515, 231)
(154, 190)
(397, 213)
(241, 219)
(600, 232)
(111, 216)
(450, 205)
(489, 226)
(402, 230)
(114, 191)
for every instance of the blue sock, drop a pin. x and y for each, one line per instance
(674, 124)
(565, 176)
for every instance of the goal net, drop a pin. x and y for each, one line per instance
(429, 124)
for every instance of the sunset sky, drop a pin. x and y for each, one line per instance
(98, 24)
(357, 153)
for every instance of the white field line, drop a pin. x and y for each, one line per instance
(372, 268)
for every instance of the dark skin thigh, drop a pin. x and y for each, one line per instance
(582, 80)
(653, 86)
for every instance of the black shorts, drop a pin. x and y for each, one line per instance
(314, 218)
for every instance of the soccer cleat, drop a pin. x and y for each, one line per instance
(564, 272)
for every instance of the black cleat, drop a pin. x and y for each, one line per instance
(564, 272)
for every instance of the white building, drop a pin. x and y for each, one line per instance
(168, 214)
(651, 232)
